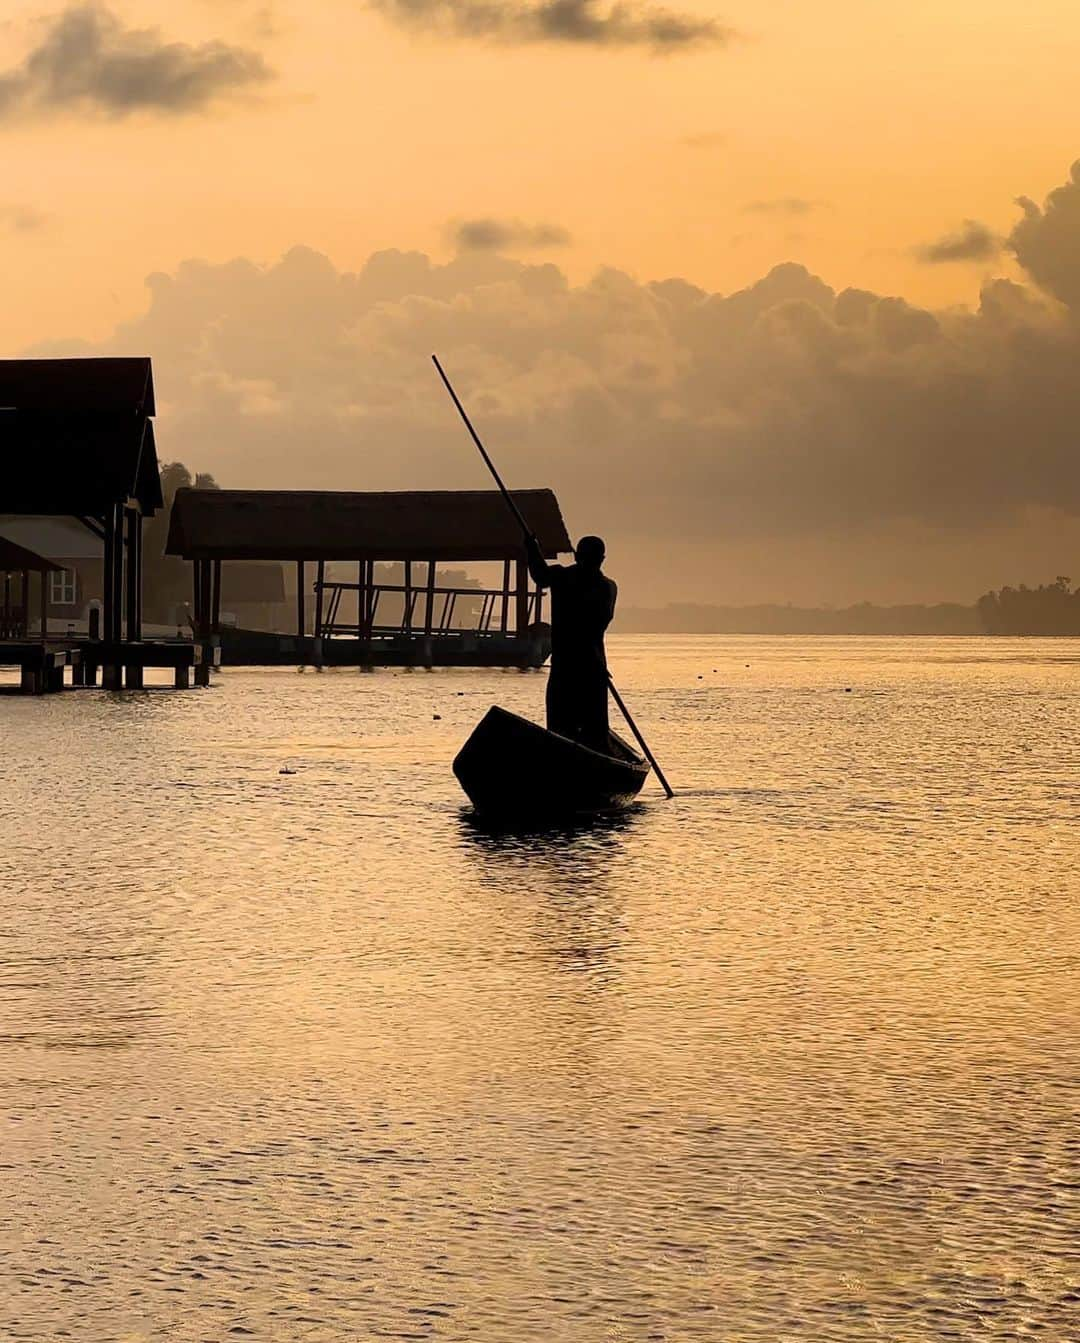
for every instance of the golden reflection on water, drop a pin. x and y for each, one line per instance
(315, 1056)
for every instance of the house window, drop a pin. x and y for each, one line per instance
(62, 587)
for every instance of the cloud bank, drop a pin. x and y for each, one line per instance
(583, 23)
(88, 60)
(702, 432)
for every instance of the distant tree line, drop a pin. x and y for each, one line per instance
(167, 578)
(1051, 608)
(864, 618)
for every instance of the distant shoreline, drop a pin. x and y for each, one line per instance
(942, 619)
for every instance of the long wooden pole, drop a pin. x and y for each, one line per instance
(640, 739)
(529, 536)
(483, 451)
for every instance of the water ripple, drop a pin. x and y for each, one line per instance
(316, 1056)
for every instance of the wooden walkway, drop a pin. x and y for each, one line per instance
(44, 667)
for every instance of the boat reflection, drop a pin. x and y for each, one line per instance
(508, 837)
(567, 883)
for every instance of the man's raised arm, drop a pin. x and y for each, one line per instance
(538, 566)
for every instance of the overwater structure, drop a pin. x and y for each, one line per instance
(77, 441)
(371, 618)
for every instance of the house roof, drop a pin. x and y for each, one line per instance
(78, 386)
(77, 463)
(15, 557)
(407, 524)
(61, 538)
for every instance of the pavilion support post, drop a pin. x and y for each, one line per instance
(134, 578)
(204, 622)
(43, 596)
(362, 568)
(504, 618)
(133, 675)
(406, 622)
(427, 650)
(215, 600)
(137, 633)
(429, 608)
(108, 564)
(521, 614)
(201, 614)
(206, 582)
(320, 579)
(5, 621)
(118, 573)
(300, 620)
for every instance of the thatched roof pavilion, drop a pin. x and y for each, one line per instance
(209, 527)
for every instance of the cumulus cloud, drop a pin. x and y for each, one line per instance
(782, 205)
(503, 235)
(88, 60)
(586, 23)
(971, 242)
(1046, 242)
(711, 436)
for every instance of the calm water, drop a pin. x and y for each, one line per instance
(308, 1057)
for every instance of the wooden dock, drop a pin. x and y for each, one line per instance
(44, 667)
(41, 666)
(255, 648)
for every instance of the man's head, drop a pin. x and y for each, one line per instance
(590, 552)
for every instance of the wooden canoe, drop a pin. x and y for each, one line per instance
(512, 768)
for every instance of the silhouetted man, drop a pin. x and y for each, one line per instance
(582, 604)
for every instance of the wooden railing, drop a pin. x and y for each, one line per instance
(438, 606)
(12, 622)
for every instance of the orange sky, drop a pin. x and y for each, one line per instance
(894, 121)
(799, 443)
